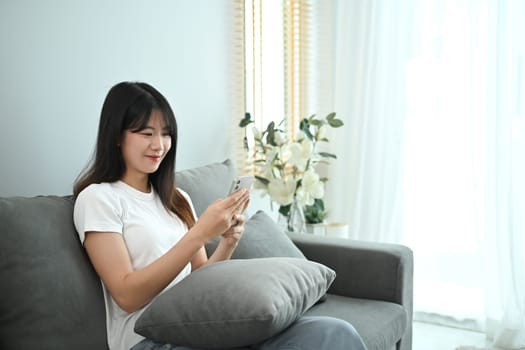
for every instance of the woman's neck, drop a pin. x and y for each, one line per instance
(141, 184)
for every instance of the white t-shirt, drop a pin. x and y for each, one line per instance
(148, 230)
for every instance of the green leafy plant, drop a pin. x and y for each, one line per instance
(286, 169)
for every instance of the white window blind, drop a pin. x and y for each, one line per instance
(288, 58)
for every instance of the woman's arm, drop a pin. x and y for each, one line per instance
(130, 288)
(133, 289)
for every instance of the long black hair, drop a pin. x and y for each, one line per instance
(128, 106)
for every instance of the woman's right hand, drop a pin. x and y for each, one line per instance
(219, 216)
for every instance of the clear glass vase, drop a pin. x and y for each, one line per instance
(295, 221)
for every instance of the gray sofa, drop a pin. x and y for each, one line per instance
(51, 297)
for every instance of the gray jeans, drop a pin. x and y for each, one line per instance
(307, 333)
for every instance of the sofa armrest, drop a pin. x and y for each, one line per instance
(367, 270)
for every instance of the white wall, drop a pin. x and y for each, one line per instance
(58, 58)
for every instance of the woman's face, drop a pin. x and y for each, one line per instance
(143, 151)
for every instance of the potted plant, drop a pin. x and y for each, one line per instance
(286, 169)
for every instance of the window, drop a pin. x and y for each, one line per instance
(285, 61)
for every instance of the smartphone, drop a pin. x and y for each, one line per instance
(241, 182)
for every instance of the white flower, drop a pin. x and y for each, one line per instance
(279, 137)
(259, 185)
(312, 184)
(311, 188)
(285, 153)
(300, 135)
(266, 171)
(307, 147)
(296, 157)
(256, 133)
(271, 153)
(301, 153)
(303, 197)
(282, 191)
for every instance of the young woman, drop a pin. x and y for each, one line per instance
(140, 231)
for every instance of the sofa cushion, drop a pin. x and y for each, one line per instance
(235, 303)
(207, 183)
(262, 238)
(51, 296)
(380, 323)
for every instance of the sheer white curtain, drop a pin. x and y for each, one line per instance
(433, 155)
(369, 95)
(504, 248)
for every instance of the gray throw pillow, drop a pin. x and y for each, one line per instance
(262, 238)
(235, 303)
(207, 183)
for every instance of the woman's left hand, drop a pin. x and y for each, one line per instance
(232, 236)
(229, 238)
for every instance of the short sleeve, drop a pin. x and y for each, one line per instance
(97, 208)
